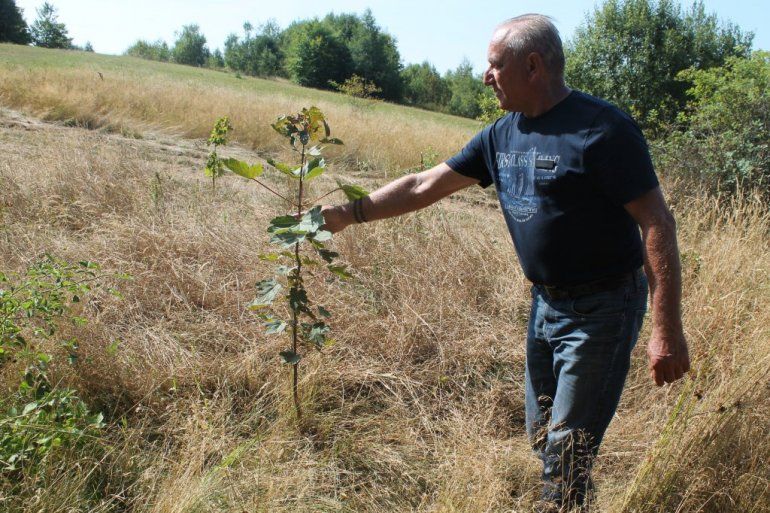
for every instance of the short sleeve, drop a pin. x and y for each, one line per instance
(470, 161)
(617, 159)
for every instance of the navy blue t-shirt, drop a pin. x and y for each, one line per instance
(562, 179)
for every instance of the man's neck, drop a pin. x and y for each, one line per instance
(548, 99)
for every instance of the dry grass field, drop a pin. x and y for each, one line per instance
(418, 406)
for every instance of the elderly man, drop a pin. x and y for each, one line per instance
(575, 183)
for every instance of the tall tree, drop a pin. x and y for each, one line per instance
(424, 86)
(630, 52)
(316, 56)
(465, 88)
(46, 30)
(190, 47)
(258, 55)
(374, 53)
(13, 28)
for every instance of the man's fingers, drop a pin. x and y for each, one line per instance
(669, 375)
(656, 377)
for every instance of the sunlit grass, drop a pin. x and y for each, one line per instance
(419, 404)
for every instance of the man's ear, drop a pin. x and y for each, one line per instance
(534, 63)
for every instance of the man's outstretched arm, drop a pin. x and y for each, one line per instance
(406, 194)
(667, 348)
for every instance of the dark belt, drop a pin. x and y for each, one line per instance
(591, 287)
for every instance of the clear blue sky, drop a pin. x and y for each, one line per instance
(442, 32)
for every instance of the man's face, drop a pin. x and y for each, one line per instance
(507, 76)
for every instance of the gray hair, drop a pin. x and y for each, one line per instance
(534, 33)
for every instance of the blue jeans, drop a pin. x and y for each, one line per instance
(578, 356)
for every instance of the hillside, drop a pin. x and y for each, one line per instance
(418, 406)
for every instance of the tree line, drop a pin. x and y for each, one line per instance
(666, 65)
(46, 31)
(346, 52)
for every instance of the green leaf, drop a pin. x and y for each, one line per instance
(270, 257)
(353, 192)
(323, 312)
(298, 300)
(317, 334)
(311, 221)
(283, 223)
(284, 270)
(287, 239)
(79, 321)
(331, 140)
(309, 261)
(290, 357)
(267, 290)
(115, 293)
(97, 420)
(283, 168)
(243, 169)
(275, 327)
(328, 255)
(112, 349)
(284, 126)
(314, 167)
(28, 408)
(316, 171)
(321, 236)
(340, 270)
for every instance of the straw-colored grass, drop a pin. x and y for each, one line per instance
(419, 404)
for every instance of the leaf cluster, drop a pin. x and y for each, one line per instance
(39, 416)
(722, 139)
(215, 165)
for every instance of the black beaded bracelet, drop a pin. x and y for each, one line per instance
(358, 211)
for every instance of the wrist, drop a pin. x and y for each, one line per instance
(346, 214)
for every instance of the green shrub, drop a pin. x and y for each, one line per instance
(725, 142)
(40, 416)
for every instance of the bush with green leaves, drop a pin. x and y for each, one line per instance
(724, 141)
(357, 87)
(157, 51)
(489, 106)
(299, 237)
(190, 47)
(465, 88)
(424, 87)
(214, 166)
(39, 415)
(629, 52)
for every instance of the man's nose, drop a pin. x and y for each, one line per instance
(487, 78)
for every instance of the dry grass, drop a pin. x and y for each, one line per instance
(418, 406)
(126, 97)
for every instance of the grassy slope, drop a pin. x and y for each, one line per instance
(418, 407)
(135, 94)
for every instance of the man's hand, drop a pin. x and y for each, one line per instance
(337, 218)
(669, 359)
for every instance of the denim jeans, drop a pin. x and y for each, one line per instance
(578, 356)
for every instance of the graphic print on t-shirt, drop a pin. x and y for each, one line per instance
(518, 172)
